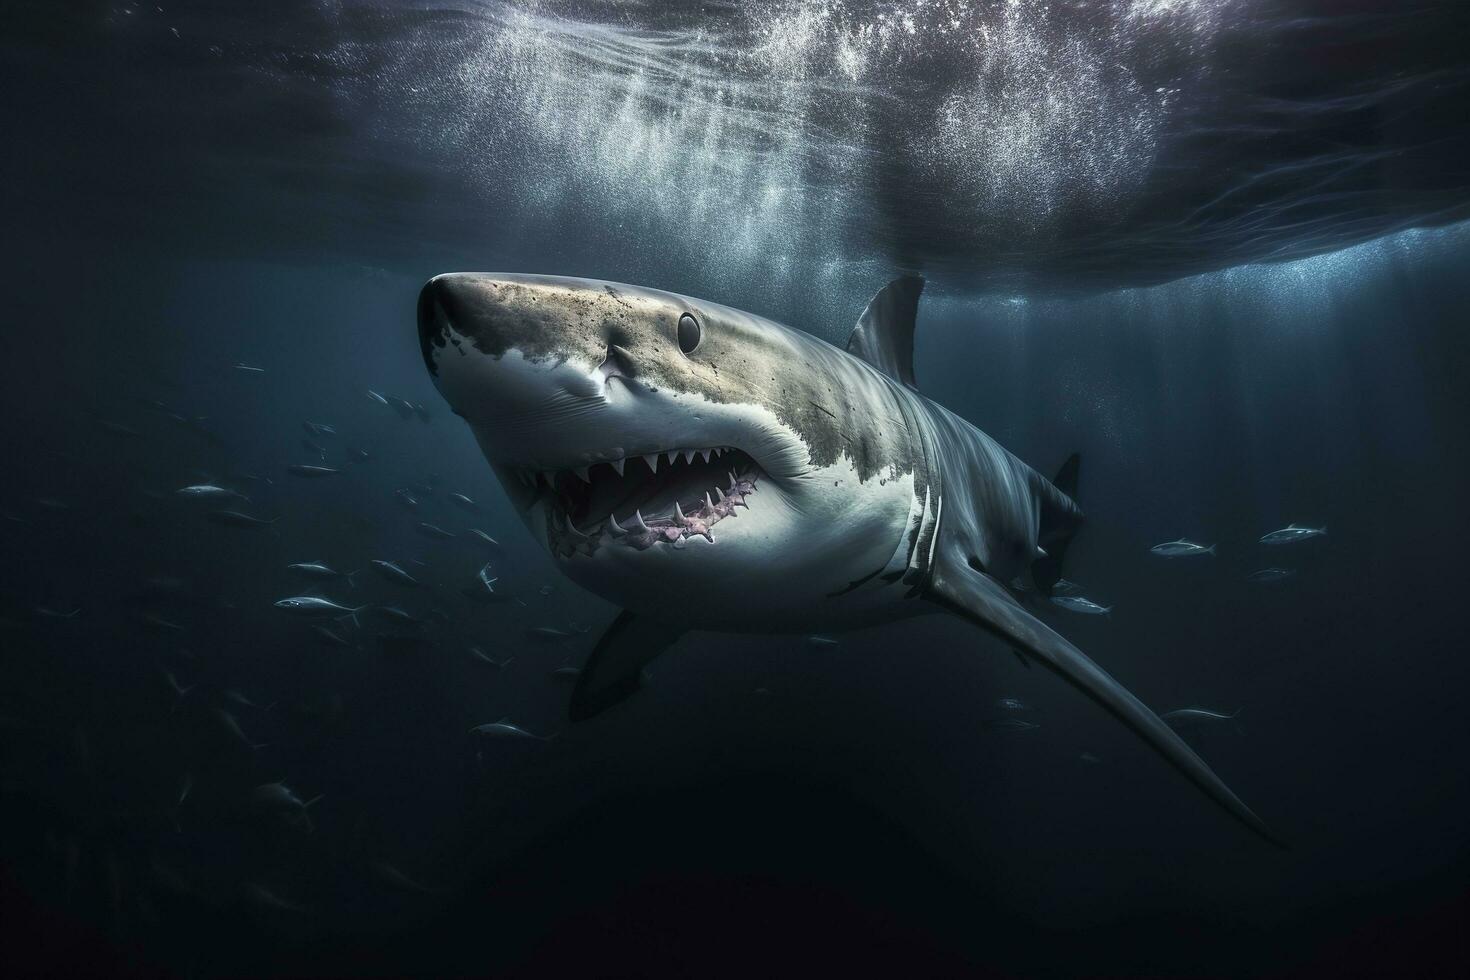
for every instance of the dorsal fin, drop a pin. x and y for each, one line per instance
(884, 335)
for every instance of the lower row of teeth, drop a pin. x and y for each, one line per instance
(641, 532)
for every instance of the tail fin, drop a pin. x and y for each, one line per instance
(1210, 551)
(1059, 522)
(352, 615)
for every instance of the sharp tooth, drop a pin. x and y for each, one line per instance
(705, 453)
(719, 451)
(638, 517)
(720, 493)
(708, 503)
(613, 527)
(652, 460)
(617, 466)
(679, 517)
(688, 455)
(672, 455)
(575, 531)
(731, 475)
(582, 473)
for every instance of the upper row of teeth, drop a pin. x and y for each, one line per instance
(532, 477)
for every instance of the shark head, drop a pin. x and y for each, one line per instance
(670, 451)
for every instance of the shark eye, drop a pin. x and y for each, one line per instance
(688, 333)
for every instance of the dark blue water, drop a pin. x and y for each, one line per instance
(1099, 195)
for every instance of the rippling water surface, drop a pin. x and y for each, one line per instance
(1014, 145)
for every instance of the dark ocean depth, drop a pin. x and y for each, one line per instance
(1219, 249)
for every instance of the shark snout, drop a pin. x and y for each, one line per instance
(511, 356)
(442, 302)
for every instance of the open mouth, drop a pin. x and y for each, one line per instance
(640, 501)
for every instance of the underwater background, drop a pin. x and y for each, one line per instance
(1216, 248)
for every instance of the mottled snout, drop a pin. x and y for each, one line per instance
(441, 302)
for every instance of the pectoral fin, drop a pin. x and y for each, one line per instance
(985, 602)
(612, 671)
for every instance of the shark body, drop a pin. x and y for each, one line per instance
(709, 469)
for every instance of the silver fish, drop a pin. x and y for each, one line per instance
(1291, 534)
(1181, 549)
(1080, 604)
(506, 728)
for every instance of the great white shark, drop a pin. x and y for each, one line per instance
(709, 469)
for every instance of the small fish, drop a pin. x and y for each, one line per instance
(279, 803)
(1181, 549)
(565, 673)
(483, 588)
(179, 691)
(1080, 604)
(303, 469)
(358, 455)
(208, 491)
(262, 897)
(319, 570)
(118, 428)
(433, 531)
(390, 875)
(328, 637)
(1064, 587)
(481, 655)
(424, 487)
(403, 408)
(318, 429)
(1197, 715)
(394, 573)
(1011, 725)
(549, 634)
(400, 615)
(232, 728)
(156, 622)
(242, 366)
(1271, 575)
(233, 518)
(374, 396)
(311, 447)
(1291, 533)
(313, 606)
(406, 499)
(464, 503)
(505, 728)
(1089, 758)
(51, 612)
(1012, 704)
(480, 537)
(818, 640)
(238, 697)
